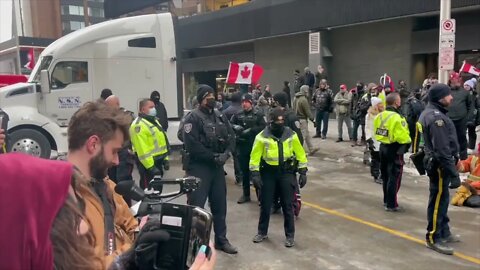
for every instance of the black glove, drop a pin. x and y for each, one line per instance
(237, 128)
(166, 164)
(148, 242)
(246, 132)
(220, 159)
(302, 178)
(256, 179)
(154, 171)
(454, 182)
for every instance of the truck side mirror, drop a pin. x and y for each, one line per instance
(44, 82)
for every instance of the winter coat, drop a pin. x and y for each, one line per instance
(234, 108)
(310, 79)
(125, 223)
(342, 103)
(323, 99)
(297, 83)
(318, 77)
(461, 107)
(286, 90)
(359, 106)
(162, 115)
(301, 107)
(370, 117)
(404, 93)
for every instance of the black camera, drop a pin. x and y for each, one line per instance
(188, 226)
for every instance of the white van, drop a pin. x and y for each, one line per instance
(131, 56)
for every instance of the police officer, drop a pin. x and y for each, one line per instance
(209, 140)
(149, 142)
(291, 121)
(441, 154)
(391, 130)
(247, 124)
(3, 130)
(276, 155)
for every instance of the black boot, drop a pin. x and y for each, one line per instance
(243, 199)
(440, 248)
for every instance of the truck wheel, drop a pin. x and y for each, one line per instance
(31, 142)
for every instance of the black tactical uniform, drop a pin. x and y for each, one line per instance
(247, 124)
(209, 140)
(441, 152)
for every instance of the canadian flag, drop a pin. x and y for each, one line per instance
(466, 67)
(244, 73)
(31, 59)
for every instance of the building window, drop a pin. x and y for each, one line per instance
(75, 25)
(66, 26)
(95, 12)
(72, 10)
(148, 42)
(69, 72)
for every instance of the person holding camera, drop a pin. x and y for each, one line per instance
(209, 141)
(276, 156)
(150, 143)
(441, 156)
(96, 133)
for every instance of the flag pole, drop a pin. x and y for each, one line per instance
(226, 79)
(461, 68)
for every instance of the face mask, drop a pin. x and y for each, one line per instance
(152, 112)
(277, 129)
(211, 103)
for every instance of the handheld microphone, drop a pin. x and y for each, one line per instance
(129, 189)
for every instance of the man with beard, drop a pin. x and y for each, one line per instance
(150, 143)
(209, 140)
(441, 156)
(96, 133)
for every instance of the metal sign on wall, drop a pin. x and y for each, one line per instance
(446, 52)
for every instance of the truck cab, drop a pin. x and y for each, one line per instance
(131, 56)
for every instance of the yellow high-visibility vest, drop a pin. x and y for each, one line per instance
(390, 127)
(148, 141)
(266, 147)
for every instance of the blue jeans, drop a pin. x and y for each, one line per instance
(322, 116)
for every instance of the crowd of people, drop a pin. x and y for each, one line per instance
(267, 134)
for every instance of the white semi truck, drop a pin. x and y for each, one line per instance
(131, 56)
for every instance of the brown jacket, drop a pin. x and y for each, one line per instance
(125, 222)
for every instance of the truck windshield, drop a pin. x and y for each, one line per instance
(44, 64)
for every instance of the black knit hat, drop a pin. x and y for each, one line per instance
(276, 113)
(281, 98)
(438, 91)
(248, 98)
(203, 91)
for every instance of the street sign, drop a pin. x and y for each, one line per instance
(446, 58)
(447, 41)
(448, 27)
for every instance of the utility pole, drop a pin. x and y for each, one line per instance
(445, 14)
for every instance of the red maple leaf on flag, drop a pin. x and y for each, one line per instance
(245, 72)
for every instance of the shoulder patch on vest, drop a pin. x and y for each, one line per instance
(439, 123)
(137, 129)
(297, 124)
(187, 127)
